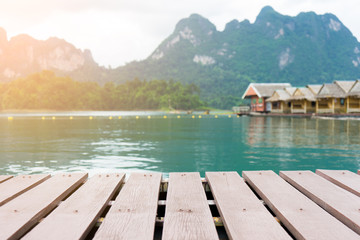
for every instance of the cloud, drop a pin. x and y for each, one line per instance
(119, 31)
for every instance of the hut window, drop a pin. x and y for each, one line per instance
(313, 104)
(254, 100)
(342, 101)
(260, 100)
(289, 104)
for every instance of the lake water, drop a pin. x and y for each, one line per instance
(30, 144)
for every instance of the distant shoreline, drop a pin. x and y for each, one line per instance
(88, 110)
(175, 111)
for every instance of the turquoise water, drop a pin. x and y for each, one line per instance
(29, 144)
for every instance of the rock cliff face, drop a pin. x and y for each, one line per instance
(22, 55)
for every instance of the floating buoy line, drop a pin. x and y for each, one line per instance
(148, 117)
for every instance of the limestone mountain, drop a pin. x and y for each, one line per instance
(304, 49)
(23, 55)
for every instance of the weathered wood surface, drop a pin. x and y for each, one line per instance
(345, 179)
(18, 185)
(75, 217)
(20, 214)
(338, 202)
(133, 214)
(3, 178)
(301, 216)
(187, 214)
(243, 215)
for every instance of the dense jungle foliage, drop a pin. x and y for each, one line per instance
(45, 90)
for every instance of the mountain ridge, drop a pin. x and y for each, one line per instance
(22, 55)
(305, 49)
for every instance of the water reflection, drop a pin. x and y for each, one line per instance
(30, 145)
(304, 143)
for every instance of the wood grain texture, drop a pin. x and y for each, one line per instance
(3, 178)
(23, 212)
(133, 213)
(243, 215)
(18, 185)
(343, 178)
(301, 216)
(75, 217)
(338, 202)
(187, 214)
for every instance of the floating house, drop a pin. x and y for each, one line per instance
(332, 97)
(303, 101)
(259, 92)
(353, 98)
(338, 97)
(280, 101)
(325, 99)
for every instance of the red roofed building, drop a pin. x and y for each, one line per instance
(259, 92)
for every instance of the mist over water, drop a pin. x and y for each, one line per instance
(29, 144)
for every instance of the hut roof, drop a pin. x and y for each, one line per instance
(331, 90)
(345, 85)
(314, 88)
(279, 95)
(290, 90)
(264, 89)
(355, 90)
(303, 93)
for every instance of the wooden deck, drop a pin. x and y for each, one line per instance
(223, 205)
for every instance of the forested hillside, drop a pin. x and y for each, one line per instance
(46, 91)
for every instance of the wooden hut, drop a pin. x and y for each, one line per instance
(280, 101)
(331, 98)
(325, 99)
(259, 92)
(303, 101)
(353, 98)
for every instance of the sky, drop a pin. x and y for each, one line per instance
(120, 31)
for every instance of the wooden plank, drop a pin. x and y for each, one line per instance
(243, 215)
(133, 213)
(187, 214)
(75, 217)
(18, 185)
(3, 178)
(301, 216)
(23, 212)
(338, 202)
(345, 179)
